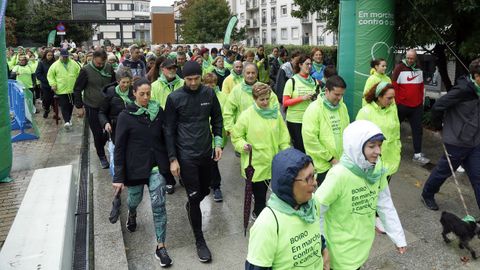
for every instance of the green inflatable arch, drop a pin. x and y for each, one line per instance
(5, 129)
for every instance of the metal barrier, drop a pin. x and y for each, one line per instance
(18, 116)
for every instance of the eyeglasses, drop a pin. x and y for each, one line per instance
(309, 180)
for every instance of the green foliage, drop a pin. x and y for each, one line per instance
(35, 21)
(457, 22)
(205, 21)
(10, 24)
(329, 52)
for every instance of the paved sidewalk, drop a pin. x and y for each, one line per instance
(55, 147)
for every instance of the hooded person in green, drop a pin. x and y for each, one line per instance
(379, 66)
(286, 235)
(166, 83)
(241, 97)
(260, 129)
(323, 123)
(352, 192)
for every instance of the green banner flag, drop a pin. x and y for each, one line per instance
(30, 110)
(228, 33)
(5, 124)
(366, 32)
(51, 38)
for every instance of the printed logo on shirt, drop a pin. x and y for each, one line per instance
(363, 201)
(204, 103)
(306, 249)
(412, 78)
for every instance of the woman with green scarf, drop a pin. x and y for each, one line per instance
(220, 70)
(286, 234)
(379, 67)
(299, 92)
(317, 65)
(352, 192)
(141, 159)
(260, 129)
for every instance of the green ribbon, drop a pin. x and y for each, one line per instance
(477, 86)
(218, 141)
(370, 174)
(469, 218)
(329, 105)
(220, 72)
(123, 95)
(151, 110)
(280, 61)
(101, 71)
(237, 78)
(268, 113)
(308, 81)
(171, 84)
(306, 211)
(318, 67)
(413, 67)
(379, 88)
(246, 87)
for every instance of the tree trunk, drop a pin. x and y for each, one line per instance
(441, 62)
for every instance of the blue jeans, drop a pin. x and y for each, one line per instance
(468, 157)
(156, 188)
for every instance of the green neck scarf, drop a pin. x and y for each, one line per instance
(101, 71)
(371, 175)
(151, 110)
(413, 67)
(163, 79)
(329, 105)
(317, 67)
(308, 81)
(220, 72)
(123, 95)
(305, 212)
(236, 78)
(246, 87)
(269, 113)
(477, 86)
(280, 61)
(217, 89)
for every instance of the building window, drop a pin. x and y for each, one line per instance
(116, 6)
(273, 14)
(264, 16)
(242, 17)
(283, 10)
(274, 36)
(284, 33)
(295, 34)
(133, 35)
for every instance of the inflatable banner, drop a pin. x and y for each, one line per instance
(51, 38)
(366, 32)
(228, 32)
(5, 129)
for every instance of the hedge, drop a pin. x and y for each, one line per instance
(329, 52)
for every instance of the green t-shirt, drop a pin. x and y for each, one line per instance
(297, 245)
(295, 112)
(350, 220)
(24, 75)
(336, 127)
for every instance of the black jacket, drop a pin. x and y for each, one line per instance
(274, 68)
(139, 147)
(112, 107)
(188, 116)
(460, 110)
(41, 74)
(221, 78)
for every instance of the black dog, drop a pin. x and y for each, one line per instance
(464, 230)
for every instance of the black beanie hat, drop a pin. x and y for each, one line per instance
(192, 68)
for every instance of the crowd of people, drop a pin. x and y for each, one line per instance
(167, 113)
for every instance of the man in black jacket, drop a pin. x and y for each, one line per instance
(189, 112)
(460, 108)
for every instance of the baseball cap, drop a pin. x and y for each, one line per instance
(64, 52)
(167, 63)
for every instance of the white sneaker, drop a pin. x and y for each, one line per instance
(379, 226)
(420, 158)
(67, 125)
(460, 169)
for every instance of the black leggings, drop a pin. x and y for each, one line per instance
(47, 98)
(260, 193)
(295, 130)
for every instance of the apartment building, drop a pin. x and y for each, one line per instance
(125, 10)
(271, 22)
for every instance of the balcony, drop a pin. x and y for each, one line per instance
(273, 21)
(264, 3)
(264, 41)
(274, 40)
(264, 21)
(142, 26)
(307, 19)
(320, 40)
(253, 23)
(252, 4)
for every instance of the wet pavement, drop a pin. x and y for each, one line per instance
(116, 248)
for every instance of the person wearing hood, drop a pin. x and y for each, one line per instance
(140, 159)
(407, 79)
(235, 78)
(260, 128)
(322, 129)
(241, 97)
(460, 110)
(88, 97)
(117, 96)
(381, 110)
(286, 234)
(379, 66)
(352, 192)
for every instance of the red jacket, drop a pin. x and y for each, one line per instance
(409, 87)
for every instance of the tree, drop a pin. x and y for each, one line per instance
(34, 23)
(205, 20)
(417, 24)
